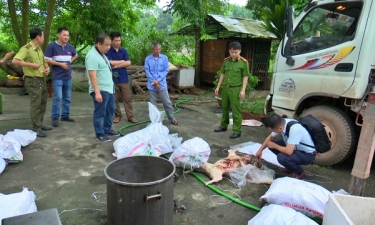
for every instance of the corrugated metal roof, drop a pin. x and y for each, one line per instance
(230, 27)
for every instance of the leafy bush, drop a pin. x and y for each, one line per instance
(254, 106)
(180, 59)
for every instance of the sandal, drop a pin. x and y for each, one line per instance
(117, 119)
(174, 122)
(132, 120)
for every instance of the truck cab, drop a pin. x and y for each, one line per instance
(325, 67)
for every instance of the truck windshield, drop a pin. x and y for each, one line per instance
(326, 26)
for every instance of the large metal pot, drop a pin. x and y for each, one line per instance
(140, 191)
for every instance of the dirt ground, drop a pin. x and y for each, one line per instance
(67, 167)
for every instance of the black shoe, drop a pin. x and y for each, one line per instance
(220, 129)
(67, 119)
(112, 133)
(103, 138)
(235, 135)
(39, 133)
(46, 128)
(55, 122)
(24, 93)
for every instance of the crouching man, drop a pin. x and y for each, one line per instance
(293, 150)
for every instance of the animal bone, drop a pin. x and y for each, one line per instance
(226, 165)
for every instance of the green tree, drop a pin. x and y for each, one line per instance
(256, 6)
(164, 19)
(272, 12)
(21, 24)
(195, 11)
(239, 11)
(85, 18)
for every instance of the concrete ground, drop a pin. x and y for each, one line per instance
(66, 167)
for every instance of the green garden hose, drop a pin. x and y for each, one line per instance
(222, 193)
(79, 88)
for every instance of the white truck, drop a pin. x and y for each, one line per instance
(325, 67)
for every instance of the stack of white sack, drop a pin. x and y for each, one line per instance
(10, 146)
(153, 140)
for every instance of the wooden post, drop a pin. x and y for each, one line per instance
(197, 78)
(365, 149)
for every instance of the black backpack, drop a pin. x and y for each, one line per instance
(316, 130)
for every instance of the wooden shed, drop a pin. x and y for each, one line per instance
(255, 41)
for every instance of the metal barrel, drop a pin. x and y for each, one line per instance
(140, 191)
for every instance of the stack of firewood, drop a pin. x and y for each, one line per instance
(13, 71)
(139, 82)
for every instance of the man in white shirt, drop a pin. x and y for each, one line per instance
(293, 150)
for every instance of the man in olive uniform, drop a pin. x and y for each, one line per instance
(31, 58)
(233, 76)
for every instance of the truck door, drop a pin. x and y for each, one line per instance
(325, 49)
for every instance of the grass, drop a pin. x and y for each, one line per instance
(254, 106)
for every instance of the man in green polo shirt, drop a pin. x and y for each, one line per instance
(101, 87)
(31, 58)
(233, 76)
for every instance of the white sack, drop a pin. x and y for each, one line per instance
(191, 154)
(2, 165)
(280, 215)
(24, 137)
(175, 140)
(17, 204)
(152, 140)
(305, 197)
(9, 147)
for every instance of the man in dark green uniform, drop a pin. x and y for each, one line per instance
(31, 58)
(233, 76)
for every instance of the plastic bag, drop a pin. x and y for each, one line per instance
(158, 134)
(152, 140)
(154, 114)
(305, 197)
(9, 147)
(135, 144)
(17, 204)
(238, 175)
(24, 137)
(16, 159)
(280, 215)
(2, 165)
(175, 140)
(340, 192)
(264, 175)
(191, 154)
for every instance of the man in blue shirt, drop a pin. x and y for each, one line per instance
(60, 54)
(293, 150)
(119, 59)
(101, 87)
(157, 68)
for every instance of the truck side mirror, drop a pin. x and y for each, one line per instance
(289, 34)
(289, 22)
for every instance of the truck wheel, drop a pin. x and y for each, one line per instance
(340, 130)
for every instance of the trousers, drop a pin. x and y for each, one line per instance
(38, 93)
(294, 161)
(103, 113)
(62, 90)
(164, 97)
(123, 90)
(231, 100)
